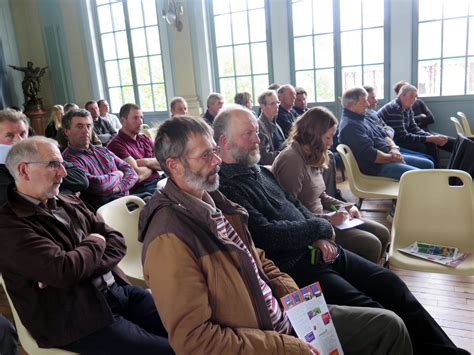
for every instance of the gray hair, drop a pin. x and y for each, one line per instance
(223, 118)
(14, 117)
(26, 150)
(285, 87)
(263, 96)
(405, 89)
(213, 97)
(67, 118)
(173, 135)
(351, 96)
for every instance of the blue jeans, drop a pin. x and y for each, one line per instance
(8, 337)
(412, 162)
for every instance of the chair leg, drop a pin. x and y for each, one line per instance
(343, 175)
(359, 203)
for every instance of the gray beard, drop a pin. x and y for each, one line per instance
(199, 183)
(244, 158)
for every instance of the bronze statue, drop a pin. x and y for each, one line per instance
(31, 85)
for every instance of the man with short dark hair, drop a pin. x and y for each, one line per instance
(178, 106)
(59, 265)
(102, 127)
(216, 293)
(286, 230)
(136, 149)
(109, 176)
(301, 105)
(286, 115)
(215, 101)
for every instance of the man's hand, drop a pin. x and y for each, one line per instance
(338, 217)
(328, 250)
(313, 350)
(97, 235)
(354, 212)
(397, 157)
(437, 139)
(119, 173)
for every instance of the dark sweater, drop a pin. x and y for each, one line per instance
(279, 223)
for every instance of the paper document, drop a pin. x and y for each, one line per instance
(350, 223)
(441, 254)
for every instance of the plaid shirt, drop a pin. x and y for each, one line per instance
(101, 166)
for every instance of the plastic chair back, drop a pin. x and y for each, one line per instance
(26, 340)
(433, 209)
(465, 122)
(117, 215)
(457, 125)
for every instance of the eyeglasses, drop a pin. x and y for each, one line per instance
(208, 154)
(50, 164)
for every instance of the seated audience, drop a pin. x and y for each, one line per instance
(399, 115)
(109, 176)
(244, 99)
(70, 106)
(270, 134)
(301, 105)
(13, 129)
(102, 127)
(421, 113)
(298, 169)
(8, 337)
(284, 228)
(178, 106)
(217, 293)
(104, 114)
(374, 154)
(51, 129)
(286, 114)
(215, 101)
(59, 264)
(136, 149)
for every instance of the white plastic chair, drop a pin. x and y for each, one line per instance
(26, 340)
(431, 210)
(465, 122)
(117, 215)
(365, 186)
(457, 125)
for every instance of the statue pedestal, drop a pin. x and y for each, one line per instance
(36, 119)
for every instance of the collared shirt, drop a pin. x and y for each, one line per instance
(100, 166)
(113, 120)
(141, 147)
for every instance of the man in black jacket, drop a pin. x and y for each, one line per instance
(289, 234)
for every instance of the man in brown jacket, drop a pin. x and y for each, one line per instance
(215, 292)
(59, 265)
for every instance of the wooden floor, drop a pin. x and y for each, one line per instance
(449, 299)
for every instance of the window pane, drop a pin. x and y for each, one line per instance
(304, 53)
(125, 72)
(305, 79)
(351, 77)
(324, 51)
(430, 9)
(351, 51)
(128, 94)
(373, 46)
(429, 40)
(350, 14)
(115, 95)
(101, 2)
(108, 46)
(242, 59)
(149, 10)
(112, 72)
(135, 14)
(222, 30)
(238, 5)
(454, 40)
(302, 18)
(220, 7)
(373, 76)
(139, 42)
(454, 72)
(325, 85)
(156, 69)
(429, 78)
(257, 25)
(119, 19)
(260, 83)
(373, 13)
(105, 21)
(228, 89)
(259, 58)
(322, 15)
(471, 34)
(160, 97)
(143, 70)
(240, 27)
(255, 4)
(244, 84)
(153, 40)
(146, 97)
(225, 61)
(455, 10)
(122, 44)
(470, 76)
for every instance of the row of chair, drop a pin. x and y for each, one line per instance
(462, 125)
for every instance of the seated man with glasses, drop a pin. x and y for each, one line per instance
(59, 265)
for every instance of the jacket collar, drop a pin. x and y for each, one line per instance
(230, 171)
(353, 115)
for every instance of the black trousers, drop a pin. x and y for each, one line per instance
(137, 328)
(430, 148)
(355, 281)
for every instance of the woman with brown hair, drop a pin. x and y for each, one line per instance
(299, 168)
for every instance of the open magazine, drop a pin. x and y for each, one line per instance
(440, 254)
(310, 318)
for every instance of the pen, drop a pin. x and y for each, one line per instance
(333, 208)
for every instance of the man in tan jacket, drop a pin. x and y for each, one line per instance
(216, 293)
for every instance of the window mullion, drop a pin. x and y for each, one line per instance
(131, 53)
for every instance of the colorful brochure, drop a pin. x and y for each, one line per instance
(441, 254)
